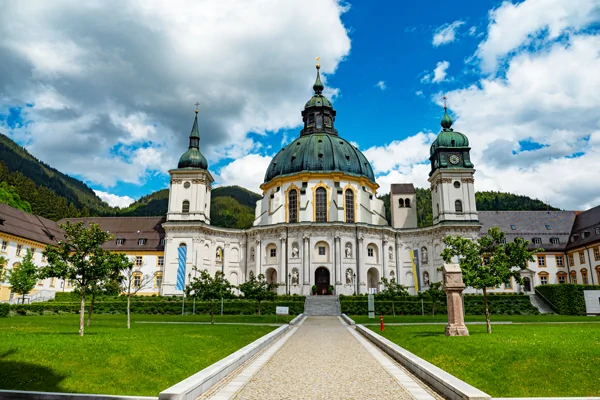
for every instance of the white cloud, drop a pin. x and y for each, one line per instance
(439, 73)
(113, 200)
(419, 93)
(248, 172)
(446, 33)
(514, 26)
(472, 31)
(381, 85)
(100, 93)
(400, 154)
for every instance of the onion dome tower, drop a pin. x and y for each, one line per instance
(190, 187)
(452, 176)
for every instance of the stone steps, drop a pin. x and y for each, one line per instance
(540, 304)
(322, 305)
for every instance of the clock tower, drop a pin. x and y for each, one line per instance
(451, 176)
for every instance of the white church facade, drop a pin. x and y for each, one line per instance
(320, 222)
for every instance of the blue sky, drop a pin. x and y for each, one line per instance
(106, 94)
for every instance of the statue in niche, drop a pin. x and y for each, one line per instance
(295, 251)
(252, 254)
(348, 276)
(424, 256)
(392, 276)
(391, 253)
(425, 278)
(219, 255)
(295, 276)
(348, 250)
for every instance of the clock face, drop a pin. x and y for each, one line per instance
(454, 159)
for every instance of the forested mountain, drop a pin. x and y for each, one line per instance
(47, 190)
(486, 201)
(230, 207)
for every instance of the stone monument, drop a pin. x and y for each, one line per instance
(453, 286)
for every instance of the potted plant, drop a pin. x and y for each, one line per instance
(314, 289)
(331, 289)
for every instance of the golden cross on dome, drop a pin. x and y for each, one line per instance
(318, 65)
(197, 104)
(445, 98)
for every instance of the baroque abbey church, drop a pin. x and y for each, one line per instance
(320, 223)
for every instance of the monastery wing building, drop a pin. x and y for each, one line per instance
(320, 223)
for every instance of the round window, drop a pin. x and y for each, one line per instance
(457, 184)
(186, 185)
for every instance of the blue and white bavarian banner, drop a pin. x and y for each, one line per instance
(182, 252)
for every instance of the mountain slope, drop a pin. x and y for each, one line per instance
(18, 159)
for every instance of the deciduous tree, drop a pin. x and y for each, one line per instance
(435, 294)
(257, 288)
(391, 291)
(22, 278)
(488, 261)
(208, 288)
(132, 282)
(80, 258)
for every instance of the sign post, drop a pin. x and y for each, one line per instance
(371, 305)
(281, 311)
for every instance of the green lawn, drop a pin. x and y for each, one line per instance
(255, 319)
(515, 360)
(363, 319)
(46, 354)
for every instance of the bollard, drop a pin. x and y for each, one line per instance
(381, 325)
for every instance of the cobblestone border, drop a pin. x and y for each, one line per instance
(192, 387)
(25, 395)
(348, 320)
(447, 384)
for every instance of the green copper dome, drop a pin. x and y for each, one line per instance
(319, 148)
(319, 152)
(192, 158)
(448, 138)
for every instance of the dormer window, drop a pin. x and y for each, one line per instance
(142, 241)
(120, 241)
(537, 241)
(554, 240)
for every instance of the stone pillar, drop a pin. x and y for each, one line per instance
(282, 276)
(306, 264)
(453, 286)
(258, 257)
(359, 267)
(338, 262)
(385, 255)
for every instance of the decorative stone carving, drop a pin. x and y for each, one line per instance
(453, 286)
(295, 276)
(468, 180)
(252, 254)
(295, 250)
(348, 250)
(348, 276)
(424, 255)
(391, 253)
(392, 275)
(219, 257)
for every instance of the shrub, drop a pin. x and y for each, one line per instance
(4, 309)
(566, 298)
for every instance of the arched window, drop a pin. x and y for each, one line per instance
(400, 203)
(407, 203)
(185, 207)
(321, 205)
(158, 277)
(293, 206)
(458, 206)
(349, 205)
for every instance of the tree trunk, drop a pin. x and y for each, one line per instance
(128, 312)
(91, 311)
(433, 308)
(487, 312)
(259, 308)
(23, 299)
(82, 312)
(212, 311)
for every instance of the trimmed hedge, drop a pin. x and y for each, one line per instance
(511, 304)
(68, 297)
(4, 309)
(231, 307)
(566, 298)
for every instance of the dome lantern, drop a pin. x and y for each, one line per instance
(193, 158)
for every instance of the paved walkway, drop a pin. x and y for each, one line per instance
(322, 359)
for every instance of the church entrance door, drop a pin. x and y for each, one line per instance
(322, 280)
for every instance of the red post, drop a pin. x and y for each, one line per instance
(381, 322)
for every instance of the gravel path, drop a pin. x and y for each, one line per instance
(322, 361)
